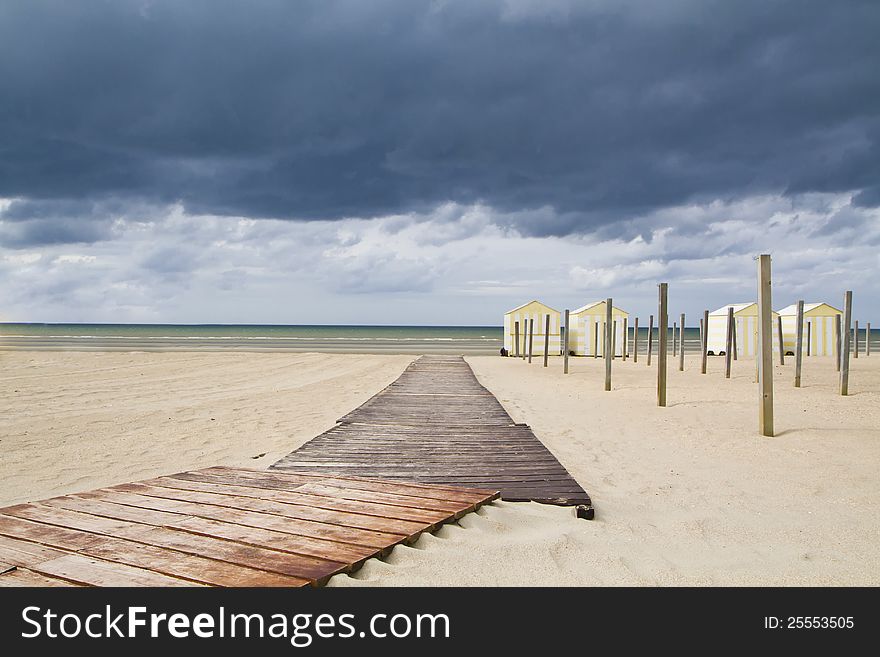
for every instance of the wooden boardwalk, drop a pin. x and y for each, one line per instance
(219, 527)
(436, 424)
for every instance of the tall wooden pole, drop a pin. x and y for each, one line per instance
(735, 348)
(565, 346)
(765, 347)
(546, 339)
(663, 343)
(650, 337)
(837, 341)
(636, 340)
(531, 337)
(844, 359)
(674, 340)
(867, 338)
(525, 337)
(809, 338)
(729, 343)
(681, 344)
(596, 341)
(609, 345)
(781, 341)
(613, 339)
(799, 344)
(625, 338)
(705, 337)
(856, 340)
(516, 337)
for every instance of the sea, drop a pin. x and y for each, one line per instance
(465, 340)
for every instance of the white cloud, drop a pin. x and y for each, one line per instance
(454, 265)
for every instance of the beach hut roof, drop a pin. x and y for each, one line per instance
(527, 303)
(737, 307)
(593, 304)
(808, 307)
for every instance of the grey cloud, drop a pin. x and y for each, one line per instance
(53, 230)
(598, 111)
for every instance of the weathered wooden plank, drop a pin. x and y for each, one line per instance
(279, 494)
(297, 511)
(88, 571)
(67, 526)
(22, 577)
(263, 520)
(414, 490)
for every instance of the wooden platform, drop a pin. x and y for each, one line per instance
(436, 424)
(221, 527)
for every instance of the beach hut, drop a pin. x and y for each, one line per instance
(588, 329)
(537, 311)
(818, 325)
(745, 319)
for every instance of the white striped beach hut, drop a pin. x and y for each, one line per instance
(820, 319)
(537, 311)
(745, 319)
(588, 329)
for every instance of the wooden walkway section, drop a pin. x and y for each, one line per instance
(220, 527)
(437, 425)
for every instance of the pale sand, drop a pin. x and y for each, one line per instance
(686, 495)
(72, 421)
(689, 494)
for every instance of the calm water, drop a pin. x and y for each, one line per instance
(213, 337)
(475, 340)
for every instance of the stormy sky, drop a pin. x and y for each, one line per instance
(432, 162)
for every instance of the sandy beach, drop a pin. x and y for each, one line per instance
(686, 495)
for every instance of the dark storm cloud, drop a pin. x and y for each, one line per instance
(597, 111)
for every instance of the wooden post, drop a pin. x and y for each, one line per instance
(674, 342)
(609, 344)
(614, 339)
(596, 341)
(650, 337)
(531, 338)
(546, 339)
(844, 359)
(856, 340)
(636, 341)
(662, 344)
(837, 341)
(704, 324)
(681, 344)
(781, 341)
(561, 338)
(625, 338)
(867, 339)
(809, 338)
(565, 347)
(516, 337)
(525, 337)
(728, 347)
(799, 344)
(735, 349)
(765, 347)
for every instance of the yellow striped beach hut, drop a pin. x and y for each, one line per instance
(588, 329)
(537, 311)
(819, 317)
(745, 319)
